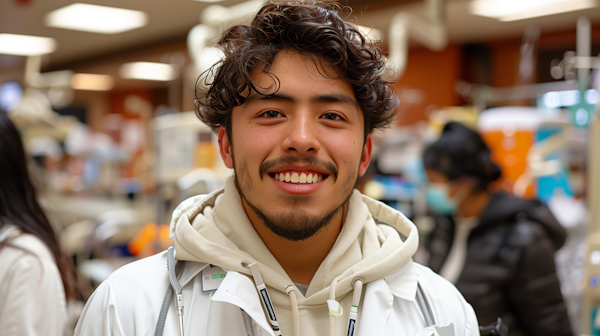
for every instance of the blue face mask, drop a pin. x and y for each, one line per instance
(436, 197)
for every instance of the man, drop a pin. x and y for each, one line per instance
(288, 247)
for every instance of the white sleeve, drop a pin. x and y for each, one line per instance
(32, 299)
(471, 324)
(448, 304)
(128, 302)
(100, 316)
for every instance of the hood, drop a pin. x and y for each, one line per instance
(504, 208)
(216, 230)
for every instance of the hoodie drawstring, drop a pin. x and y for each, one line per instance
(291, 292)
(353, 318)
(335, 308)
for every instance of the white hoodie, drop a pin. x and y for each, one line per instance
(216, 231)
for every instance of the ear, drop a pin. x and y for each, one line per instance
(366, 156)
(225, 148)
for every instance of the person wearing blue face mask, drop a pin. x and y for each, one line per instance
(436, 196)
(496, 248)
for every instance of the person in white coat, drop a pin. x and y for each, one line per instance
(288, 246)
(36, 278)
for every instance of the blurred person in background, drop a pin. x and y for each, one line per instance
(496, 248)
(36, 278)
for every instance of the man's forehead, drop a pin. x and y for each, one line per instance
(278, 80)
(285, 60)
(335, 97)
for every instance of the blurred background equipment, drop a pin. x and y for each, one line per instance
(105, 107)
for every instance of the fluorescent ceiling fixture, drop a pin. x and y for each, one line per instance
(25, 45)
(591, 96)
(96, 19)
(210, 1)
(92, 82)
(512, 10)
(148, 71)
(554, 99)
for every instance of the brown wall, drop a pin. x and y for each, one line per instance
(434, 73)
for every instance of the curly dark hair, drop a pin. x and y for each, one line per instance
(313, 29)
(461, 152)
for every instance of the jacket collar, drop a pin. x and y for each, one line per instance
(403, 281)
(190, 270)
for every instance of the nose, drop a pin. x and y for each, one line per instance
(302, 136)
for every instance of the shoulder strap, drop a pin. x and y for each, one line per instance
(424, 306)
(174, 269)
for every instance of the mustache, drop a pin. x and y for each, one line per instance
(291, 159)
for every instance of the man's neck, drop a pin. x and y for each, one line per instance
(299, 259)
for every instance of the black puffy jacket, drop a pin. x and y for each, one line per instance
(509, 270)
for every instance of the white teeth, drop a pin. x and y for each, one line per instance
(302, 178)
(298, 178)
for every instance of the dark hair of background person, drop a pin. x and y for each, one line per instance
(18, 203)
(311, 28)
(461, 152)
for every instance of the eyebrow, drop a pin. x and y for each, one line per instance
(328, 98)
(334, 98)
(273, 97)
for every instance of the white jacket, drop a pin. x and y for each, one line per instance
(216, 231)
(32, 296)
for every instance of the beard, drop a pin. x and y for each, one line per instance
(296, 224)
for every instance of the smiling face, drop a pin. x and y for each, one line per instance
(298, 153)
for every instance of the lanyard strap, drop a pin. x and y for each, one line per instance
(174, 269)
(424, 306)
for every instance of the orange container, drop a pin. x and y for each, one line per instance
(509, 132)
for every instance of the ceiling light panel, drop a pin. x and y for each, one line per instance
(148, 71)
(96, 19)
(26, 45)
(512, 10)
(92, 82)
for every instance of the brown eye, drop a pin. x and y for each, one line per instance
(272, 114)
(331, 116)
